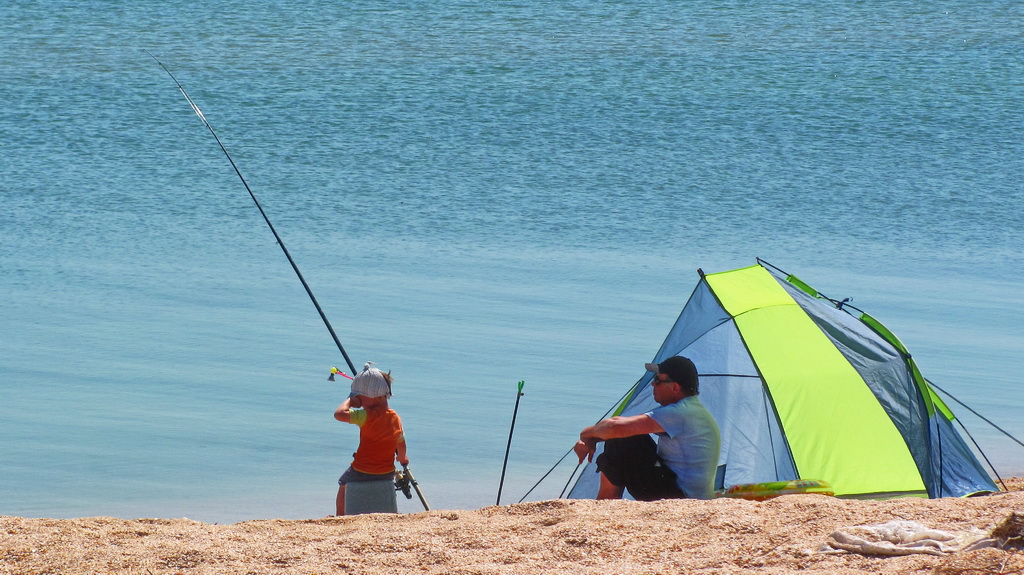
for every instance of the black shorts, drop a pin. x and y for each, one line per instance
(633, 463)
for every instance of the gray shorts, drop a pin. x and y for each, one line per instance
(352, 476)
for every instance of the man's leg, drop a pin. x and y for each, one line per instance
(622, 462)
(632, 463)
(609, 490)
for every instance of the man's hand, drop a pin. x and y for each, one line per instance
(612, 428)
(585, 448)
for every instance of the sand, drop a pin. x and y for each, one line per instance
(782, 535)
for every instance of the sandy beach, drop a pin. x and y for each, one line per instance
(782, 535)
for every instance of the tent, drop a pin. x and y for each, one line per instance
(806, 387)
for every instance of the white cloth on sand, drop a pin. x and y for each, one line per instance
(903, 538)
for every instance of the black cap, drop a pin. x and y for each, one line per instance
(679, 369)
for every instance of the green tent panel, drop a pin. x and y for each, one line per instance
(814, 390)
(803, 389)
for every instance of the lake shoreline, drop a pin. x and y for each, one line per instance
(557, 536)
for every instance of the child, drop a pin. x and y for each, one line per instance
(381, 440)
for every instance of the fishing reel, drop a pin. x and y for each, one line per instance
(403, 483)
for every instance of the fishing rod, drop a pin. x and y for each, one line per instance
(504, 465)
(280, 242)
(404, 480)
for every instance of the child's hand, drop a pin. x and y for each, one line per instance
(403, 460)
(355, 401)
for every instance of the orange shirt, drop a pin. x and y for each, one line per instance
(380, 432)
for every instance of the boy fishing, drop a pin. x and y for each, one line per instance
(381, 439)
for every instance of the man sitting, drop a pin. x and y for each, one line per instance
(684, 460)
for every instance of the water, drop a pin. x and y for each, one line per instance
(477, 194)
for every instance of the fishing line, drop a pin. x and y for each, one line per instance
(280, 242)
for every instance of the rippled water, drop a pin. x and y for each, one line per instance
(477, 194)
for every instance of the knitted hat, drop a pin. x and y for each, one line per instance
(370, 382)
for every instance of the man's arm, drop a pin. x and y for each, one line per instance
(612, 428)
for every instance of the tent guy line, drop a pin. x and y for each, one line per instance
(280, 242)
(978, 415)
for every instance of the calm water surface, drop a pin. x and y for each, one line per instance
(477, 194)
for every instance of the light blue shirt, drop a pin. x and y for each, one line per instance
(690, 445)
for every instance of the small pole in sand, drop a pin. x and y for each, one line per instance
(509, 446)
